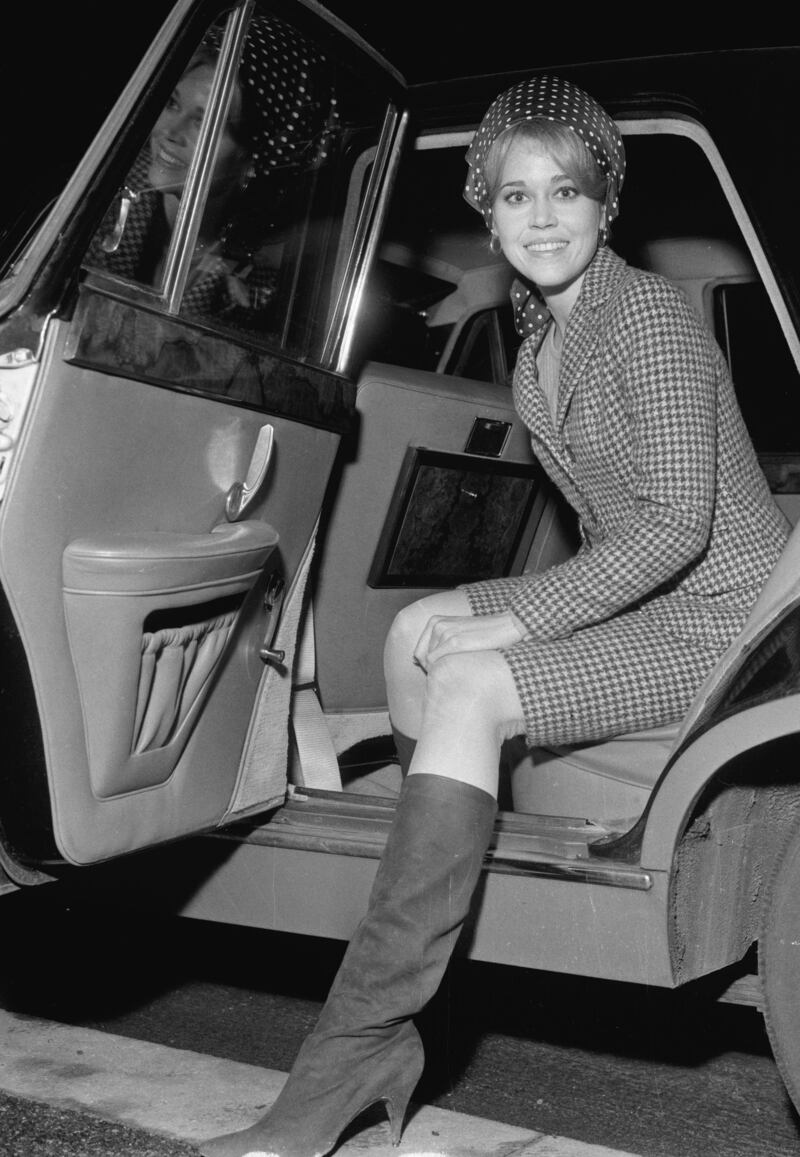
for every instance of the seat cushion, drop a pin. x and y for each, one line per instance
(607, 782)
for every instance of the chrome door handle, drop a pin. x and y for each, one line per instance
(242, 494)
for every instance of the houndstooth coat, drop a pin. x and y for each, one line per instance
(679, 530)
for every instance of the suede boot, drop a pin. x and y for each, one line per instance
(405, 747)
(365, 1048)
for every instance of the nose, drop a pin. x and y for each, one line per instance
(174, 126)
(540, 212)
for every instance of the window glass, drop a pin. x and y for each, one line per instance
(478, 353)
(394, 316)
(273, 201)
(688, 233)
(429, 274)
(766, 379)
(473, 355)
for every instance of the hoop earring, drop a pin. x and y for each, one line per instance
(495, 249)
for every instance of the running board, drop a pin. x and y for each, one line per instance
(546, 846)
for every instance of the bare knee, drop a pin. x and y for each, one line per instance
(474, 688)
(410, 622)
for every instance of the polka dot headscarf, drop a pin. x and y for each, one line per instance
(290, 114)
(555, 100)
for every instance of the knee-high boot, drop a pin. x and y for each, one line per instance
(365, 1048)
(405, 747)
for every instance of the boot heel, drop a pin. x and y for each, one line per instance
(396, 1110)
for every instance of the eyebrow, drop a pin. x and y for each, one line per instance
(554, 180)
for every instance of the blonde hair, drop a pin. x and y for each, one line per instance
(566, 148)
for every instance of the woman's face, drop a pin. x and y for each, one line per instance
(547, 228)
(174, 137)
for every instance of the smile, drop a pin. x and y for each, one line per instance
(545, 246)
(169, 159)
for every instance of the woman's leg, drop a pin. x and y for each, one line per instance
(405, 681)
(461, 711)
(365, 1046)
(471, 706)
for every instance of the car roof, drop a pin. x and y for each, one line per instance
(434, 42)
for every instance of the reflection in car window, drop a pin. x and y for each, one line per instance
(268, 231)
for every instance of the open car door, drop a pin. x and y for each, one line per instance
(165, 453)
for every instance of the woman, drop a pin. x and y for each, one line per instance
(632, 414)
(280, 123)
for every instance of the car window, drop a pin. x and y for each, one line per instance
(479, 352)
(430, 267)
(696, 241)
(766, 379)
(265, 204)
(485, 347)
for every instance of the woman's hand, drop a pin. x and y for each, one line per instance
(450, 634)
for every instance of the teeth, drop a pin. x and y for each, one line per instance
(168, 158)
(545, 246)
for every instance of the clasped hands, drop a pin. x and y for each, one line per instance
(454, 634)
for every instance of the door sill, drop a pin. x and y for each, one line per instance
(336, 823)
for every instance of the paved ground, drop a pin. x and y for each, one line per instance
(73, 1092)
(639, 1071)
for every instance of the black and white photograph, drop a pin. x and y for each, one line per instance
(399, 581)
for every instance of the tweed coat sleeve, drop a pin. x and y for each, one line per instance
(642, 434)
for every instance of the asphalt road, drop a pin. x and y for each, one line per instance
(645, 1071)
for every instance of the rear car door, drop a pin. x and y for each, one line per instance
(170, 414)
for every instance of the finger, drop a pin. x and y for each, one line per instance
(423, 643)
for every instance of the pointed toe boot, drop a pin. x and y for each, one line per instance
(365, 1048)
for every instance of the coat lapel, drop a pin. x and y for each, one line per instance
(584, 330)
(584, 327)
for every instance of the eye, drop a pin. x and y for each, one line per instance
(567, 192)
(514, 197)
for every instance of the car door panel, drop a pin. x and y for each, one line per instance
(156, 344)
(398, 409)
(114, 547)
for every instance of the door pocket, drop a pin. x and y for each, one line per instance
(176, 666)
(151, 618)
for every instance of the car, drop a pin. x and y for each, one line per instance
(212, 505)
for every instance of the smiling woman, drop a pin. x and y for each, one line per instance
(546, 225)
(281, 119)
(175, 136)
(631, 413)
(133, 241)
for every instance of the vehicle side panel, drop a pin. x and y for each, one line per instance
(540, 924)
(116, 458)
